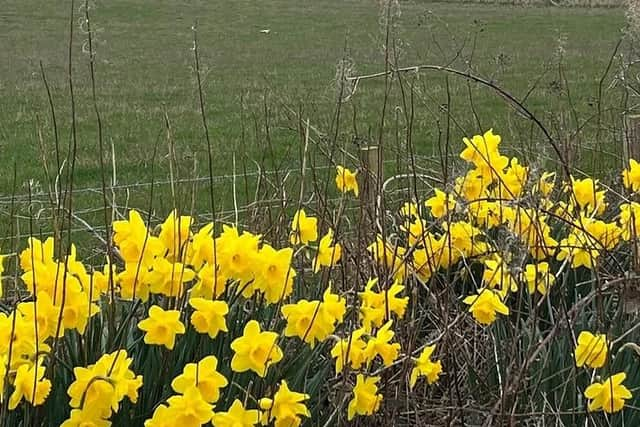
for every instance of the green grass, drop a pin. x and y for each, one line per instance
(144, 69)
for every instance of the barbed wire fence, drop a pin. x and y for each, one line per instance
(33, 213)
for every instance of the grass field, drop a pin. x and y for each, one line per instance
(144, 70)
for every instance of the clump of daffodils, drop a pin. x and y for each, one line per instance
(236, 325)
(98, 389)
(314, 321)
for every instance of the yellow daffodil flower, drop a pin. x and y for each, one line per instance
(366, 400)
(425, 367)
(255, 350)
(162, 326)
(209, 316)
(346, 180)
(591, 350)
(485, 305)
(204, 377)
(609, 395)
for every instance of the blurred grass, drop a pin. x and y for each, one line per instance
(144, 70)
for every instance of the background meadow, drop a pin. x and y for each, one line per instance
(259, 87)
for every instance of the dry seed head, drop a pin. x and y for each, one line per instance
(345, 87)
(389, 13)
(561, 44)
(633, 17)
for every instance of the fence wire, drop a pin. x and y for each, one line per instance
(35, 212)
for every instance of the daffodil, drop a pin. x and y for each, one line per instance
(350, 350)
(80, 418)
(201, 249)
(609, 395)
(485, 306)
(77, 309)
(630, 220)
(366, 400)
(591, 350)
(2, 258)
(580, 248)
(587, 194)
(538, 240)
(328, 255)
(334, 305)
(426, 259)
(275, 277)
(133, 240)
(204, 377)
(346, 180)
(425, 367)
(441, 204)
(545, 183)
(189, 409)
(54, 278)
(287, 407)
(304, 229)
(409, 210)
(416, 231)
(510, 183)
(390, 257)
(631, 176)
(98, 389)
(162, 326)
(488, 214)
(482, 151)
(236, 416)
(307, 320)
(3, 370)
(169, 278)
(18, 334)
(37, 252)
(133, 282)
(255, 350)
(103, 282)
(498, 276)
(538, 277)
(29, 384)
(161, 417)
(45, 314)
(377, 306)
(462, 239)
(597, 233)
(380, 345)
(210, 282)
(209, 316)
(237, 254)
(472, 186)
(175, 234)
